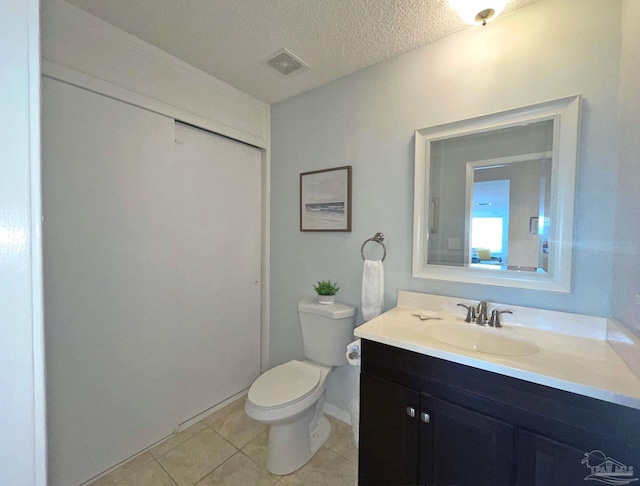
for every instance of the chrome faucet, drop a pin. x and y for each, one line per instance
(471, 312)
(477, 314)
(481, 313)
(494, 320)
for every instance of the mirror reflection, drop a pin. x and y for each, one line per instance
(499, 218)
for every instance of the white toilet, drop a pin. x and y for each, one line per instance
(289, 397)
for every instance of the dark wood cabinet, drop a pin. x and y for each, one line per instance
(390, 432)
(400, 429)
(428, 421)
(466, 447)
(546, 462)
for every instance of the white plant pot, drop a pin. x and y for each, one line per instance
(326, 299)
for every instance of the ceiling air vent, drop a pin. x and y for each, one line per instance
(285, 62)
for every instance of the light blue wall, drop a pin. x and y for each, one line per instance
(626, 269)
(551, 49)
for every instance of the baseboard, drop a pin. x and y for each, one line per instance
(209, 411)
(337, 413)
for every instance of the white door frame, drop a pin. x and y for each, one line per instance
(22, 375)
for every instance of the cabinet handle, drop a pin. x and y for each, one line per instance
(411, 412)
(425, 417)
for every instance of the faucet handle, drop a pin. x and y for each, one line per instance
(471, 312)
(494, 320)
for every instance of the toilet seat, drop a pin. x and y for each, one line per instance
(284, 385)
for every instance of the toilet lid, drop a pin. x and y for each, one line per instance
(283, 384)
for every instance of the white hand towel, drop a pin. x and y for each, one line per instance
(372, 289)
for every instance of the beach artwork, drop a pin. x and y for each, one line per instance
(325, 200)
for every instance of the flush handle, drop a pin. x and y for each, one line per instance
(425, 417)
(411, 412)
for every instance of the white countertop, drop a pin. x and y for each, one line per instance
(584, 365)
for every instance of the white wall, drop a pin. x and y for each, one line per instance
(22, 416)
(551, 49)
(626, 269)
(82, 49)
(524, 203)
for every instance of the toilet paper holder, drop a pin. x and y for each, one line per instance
(353, 352)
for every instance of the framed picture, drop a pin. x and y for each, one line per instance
(325, 200)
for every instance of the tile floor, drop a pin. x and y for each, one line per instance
(228, 448)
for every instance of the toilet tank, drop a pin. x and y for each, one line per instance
(326, 331)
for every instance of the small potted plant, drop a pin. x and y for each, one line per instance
(326, 291)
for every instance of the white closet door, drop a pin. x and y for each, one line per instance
(219, 267)
(109, 280)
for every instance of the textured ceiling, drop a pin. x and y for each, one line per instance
(230, 39)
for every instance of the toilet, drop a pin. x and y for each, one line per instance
(289, 397)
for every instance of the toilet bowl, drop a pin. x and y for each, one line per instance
(290, 397)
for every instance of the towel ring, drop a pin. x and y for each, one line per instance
(378, 238)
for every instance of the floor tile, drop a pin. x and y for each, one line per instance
(196, 457)
(237, 427)
(123, 471)
(325, 468)
(150, 475)
(223, 413)
(207, 454)
(239, 470)
(257, 449)
(341, 440)
(177, 439)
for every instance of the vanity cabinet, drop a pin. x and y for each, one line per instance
(403, 428)
(424, 421)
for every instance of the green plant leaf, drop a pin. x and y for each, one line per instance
(325, 287)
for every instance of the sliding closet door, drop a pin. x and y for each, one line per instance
(152, 268)
(109, 280)
(219, 256)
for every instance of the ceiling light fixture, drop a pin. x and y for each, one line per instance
(476, 12)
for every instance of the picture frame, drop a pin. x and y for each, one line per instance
(325, 200)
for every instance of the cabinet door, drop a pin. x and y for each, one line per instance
(460, 446)
(388, 433)
(542, 461)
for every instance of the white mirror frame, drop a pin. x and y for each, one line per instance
(566, 113)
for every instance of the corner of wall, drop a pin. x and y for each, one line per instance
(626, 265)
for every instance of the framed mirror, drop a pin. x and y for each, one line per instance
(494, 198)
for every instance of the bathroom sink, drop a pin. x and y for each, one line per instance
(482, 339)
